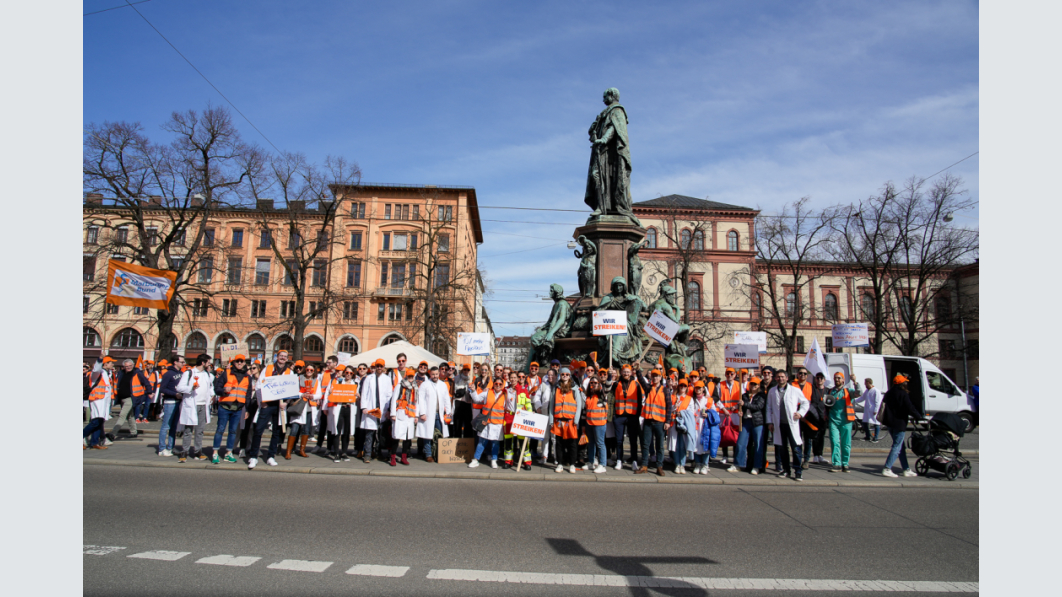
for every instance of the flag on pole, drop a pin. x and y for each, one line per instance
(140, 362)
(139, 286)
(814, 361)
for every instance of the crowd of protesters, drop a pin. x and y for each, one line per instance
(597, 417)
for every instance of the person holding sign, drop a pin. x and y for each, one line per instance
(656, 414)
(301, 426)
(232, 387)
(753, 405)
(629, 393)
(339, 415)
(492, 418)
(268, 414)
(566, 406)
(403, 417)
(841, 416)
(376, 392)
(516, 398)
(433, 405)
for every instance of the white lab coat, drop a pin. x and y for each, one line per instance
(493, 432)
(332, 410)
(369, 387)
(702, 403)
(197, 389)
(780, 409)
(871, 400)
(433, 400)
(311, 412)
(101, 409)
(403, 425)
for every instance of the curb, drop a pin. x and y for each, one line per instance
(671, 479)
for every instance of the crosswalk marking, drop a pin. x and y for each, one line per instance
(300, 565)
(168, 556)
(692, 582)
(227, 560)
(370, 570)
(99, 550)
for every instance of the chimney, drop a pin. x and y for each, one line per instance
(93, 198)
(155, 200)
(324, 206)
(297, 205)
(197, 200)
(265, 205)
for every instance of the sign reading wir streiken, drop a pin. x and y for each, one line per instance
(610, 323)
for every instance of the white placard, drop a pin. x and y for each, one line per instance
(529, 424)
(344, 357)
(610, 323)
(661, 328)
(280, 387)
(847, 335)
(757, 338)
(741, 356)
(473, 344)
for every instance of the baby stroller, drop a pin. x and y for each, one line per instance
(945, 432)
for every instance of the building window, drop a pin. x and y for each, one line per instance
(200, 307)
(89, 338)
(353, 274)
(383, 274)
(732, 240)
(380, 312)
(256, 346)
(84, 303)
(800, 344)
(416, 212)
(121, 234)
(261, 272)
(350, 311)
(355, 241)
(684, 239)
(287, 308)
(206, 270)
(140, 310)
(650, 238)
(128, 338)
(946, 348)
(829, 307)
(282, 343)
(258, 309)
(905, 309)
(294, 239)
(868, 307)
(228, 308)
(88, 268)
(319, 272)
(179, 237)
(394, 311)
(698, 240)
(322, 240)
(235, 271)
(357, 210)
(348, 345)
(442, 274)
(313, 313)
(208, 237)
(387, 241)
(265, 239)
(92, 235)
(398, 275)
(400, 242)
(693, 296)
(943, 308)
(791, 305)
(237, 237)
(829, 343)
(290, 272)
(446, 213)
(444, 243)
(111, 309)
(313, 344)
(973, 349)
(176, 263)
(409, 311)
(152, 236)
(387, 211)
(412, 242)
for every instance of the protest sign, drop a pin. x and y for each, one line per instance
(741, 356)
(847, 335)
(456, 451)
(138, 286)
(757, 338)
(529, 424)
(228, 351)
(473, 344)
(661, 328)
(610, 323)
(344, 357)
(279, 387)
(345, 393)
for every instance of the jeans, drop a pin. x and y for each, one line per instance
(630, 423)
(701, 459)
(840, 443)
(750, 434)
(95, 429)
(427, 442)
(230, 419)
(123, 417)
(785, 434)
(596, 446)
(897, 449)
(140, 407)
(196, 431)
(866, 431)
(814, 439)
(270, 413)
(653, 433)
(168, 433)
(341, 439)
(680, 450)
(482, 443)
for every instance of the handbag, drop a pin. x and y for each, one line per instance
(479, 423)
(728, 435)
(295, 410)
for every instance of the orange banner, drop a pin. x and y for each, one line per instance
(344, 393)
(139, 286)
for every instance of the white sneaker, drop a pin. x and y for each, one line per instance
(271, 462)
(704, 470)
(887, 472)
(731, 469)
(493, 464)
(167, 453)
(572, 469)
(586, 467)
(755, 471)
(473, 464)
(107, 441)
(252, 463)
(909, 473)
(600, 469)
(242, 453)
(722, 460)
(696, 469)
(559, 469)
(619, 466)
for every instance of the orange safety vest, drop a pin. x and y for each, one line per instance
(306, 386)
(710, 386)
(849, 411)
(494, 408)
(627, 400)
(100, 391)
(730, 398)
(655, 409)
(236, 391)
(407, 401)
(564, 406)
(135, 387)
(596, 411)
(682, 405)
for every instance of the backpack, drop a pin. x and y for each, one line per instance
(89, 387)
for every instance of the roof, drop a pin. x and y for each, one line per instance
(684, 202)
(470, 193)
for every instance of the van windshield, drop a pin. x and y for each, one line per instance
(940, 383)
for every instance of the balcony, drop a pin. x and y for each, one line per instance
(389, 291)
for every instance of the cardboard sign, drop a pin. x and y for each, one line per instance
(661, 328)
(228, 351)
(847, 335)
(757, 338)
(344, 357)
(280, 387)
(529, 424)
(610, 323)
(456, 451)
(741, 356)
(345, 393)
(473, 344)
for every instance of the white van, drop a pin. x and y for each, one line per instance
(929, 387)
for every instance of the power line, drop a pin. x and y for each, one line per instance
(953, 165)
(96, 12)
(524, 250)
(583, 211)
(202, 75)
(522, 222)
(526, 236)
(508, 301)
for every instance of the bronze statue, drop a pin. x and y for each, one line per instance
(625, 349)
(675, 354)
(587, 267)
(609, 179)
(634, 266)
(555, 327)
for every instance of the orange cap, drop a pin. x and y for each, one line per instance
(743, 371)
(656, 372)
(534, 364)
(240, 357)
(699, 384)
(108, 359)
(729, 370)
(410, 371)
(694, 374)
(625, 367)
(163, 363)
(900, 378)
(379, 363)
(300, 364)
(341, 367)
(754, 380)
(684, 382)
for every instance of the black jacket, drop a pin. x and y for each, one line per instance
(754, 406)
(168, 383)
(149, 390)
(898, 409)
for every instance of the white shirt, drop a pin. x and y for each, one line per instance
(198, 385)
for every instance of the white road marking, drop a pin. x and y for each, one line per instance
(168, 556)
(370, 570)
(99, 550)
(226, 560)
(768, 584)
(300, 565)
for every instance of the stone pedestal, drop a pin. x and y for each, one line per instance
(613, 235)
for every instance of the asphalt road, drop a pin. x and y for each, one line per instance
(436, 526)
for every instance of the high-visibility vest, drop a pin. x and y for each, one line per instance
(326, 381)
(407, 401)
(523, 402)
(596, 410)
(534, 382)
(136, 388)
(806, 389)
(269, 370)
(730, 398)
(476, 406)
(494, 408)
(236, 390)
(564, 406)
(655, 409)
(99, 392)
(307, 386)
(684, 402)
(710, 386)
(849, 411)
(627, 399)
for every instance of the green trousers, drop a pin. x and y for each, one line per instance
(840, 443)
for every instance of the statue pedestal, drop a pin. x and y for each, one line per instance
(613, 236)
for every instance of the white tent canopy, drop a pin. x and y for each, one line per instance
(388, 352)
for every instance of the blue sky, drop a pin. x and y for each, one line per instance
(754, 104)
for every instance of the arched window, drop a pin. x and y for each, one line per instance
(698, 240)
(128, 338)
(197, 343)
(693, 296)
(390, 339)
(348, 344)
(89, 338)
(829, 307)
(684, 239)
(313, 344)
(282, 343)
(868, 307)
(732, 240)
(791, 305)
(439, 348)
(256, 347)
(696, 351)
(650, 238)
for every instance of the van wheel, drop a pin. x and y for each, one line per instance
(969, 420)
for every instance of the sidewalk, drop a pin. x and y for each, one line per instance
(866, 470)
